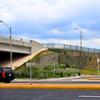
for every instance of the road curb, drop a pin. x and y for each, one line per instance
(50, 86)
(93, 79)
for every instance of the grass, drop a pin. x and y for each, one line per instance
(90, 72)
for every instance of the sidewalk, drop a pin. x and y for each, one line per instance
(85, 78)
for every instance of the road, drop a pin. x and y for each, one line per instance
(48, 94)
(14, 93)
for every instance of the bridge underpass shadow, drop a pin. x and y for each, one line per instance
(5, 57)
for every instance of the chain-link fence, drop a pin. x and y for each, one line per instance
(85, 58)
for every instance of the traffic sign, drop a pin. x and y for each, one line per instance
(30, 64)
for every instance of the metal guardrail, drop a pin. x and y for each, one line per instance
(70, 47)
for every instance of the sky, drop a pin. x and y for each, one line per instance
(52, 21)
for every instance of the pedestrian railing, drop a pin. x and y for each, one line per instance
(70, 47)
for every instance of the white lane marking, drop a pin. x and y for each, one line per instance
(88, 96)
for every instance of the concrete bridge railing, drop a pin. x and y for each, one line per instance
(19, 46)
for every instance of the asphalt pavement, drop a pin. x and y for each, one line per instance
(48, 94)
(79, 88)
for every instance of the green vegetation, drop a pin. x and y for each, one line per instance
(90, 72)
(44, 72)
(66, 66)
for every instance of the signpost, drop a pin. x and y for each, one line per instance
(30, 64)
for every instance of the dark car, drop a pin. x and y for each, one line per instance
(6, 74)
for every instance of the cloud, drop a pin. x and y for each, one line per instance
(42, 9)
(92, 43)
(56, 31)
(53, 19)
(6, 16)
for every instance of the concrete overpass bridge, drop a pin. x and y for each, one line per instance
(23, 50)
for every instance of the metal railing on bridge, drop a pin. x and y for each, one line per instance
(70, 47)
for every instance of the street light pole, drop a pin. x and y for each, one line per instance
(10, 33)
(81, 41)
(10, 47)
(80, 31)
